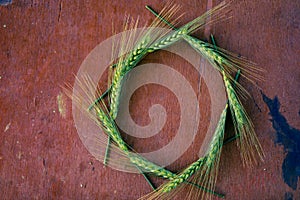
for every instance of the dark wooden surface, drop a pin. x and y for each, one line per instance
(43, 44)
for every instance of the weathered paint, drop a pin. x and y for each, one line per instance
(289, 138)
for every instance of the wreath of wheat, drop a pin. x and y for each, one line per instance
(201, 175)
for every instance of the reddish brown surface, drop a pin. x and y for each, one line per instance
(43, 45)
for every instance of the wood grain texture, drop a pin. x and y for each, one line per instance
(43, 44)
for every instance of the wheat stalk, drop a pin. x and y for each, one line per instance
(99, 114)
(203, 169)
(153, 41)
(227, 63)
(248, 143)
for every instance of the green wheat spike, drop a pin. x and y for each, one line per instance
(139, 52)
(213, 150)
(141, 163)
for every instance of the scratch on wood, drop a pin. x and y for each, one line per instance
(19, 155)
(61, 104)
(207, 28)
(7, 127)
(59, 12)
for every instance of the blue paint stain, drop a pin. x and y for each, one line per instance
(5, 2)
(289, 137)
(288, 196)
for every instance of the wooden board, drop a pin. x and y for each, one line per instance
(43, 44)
